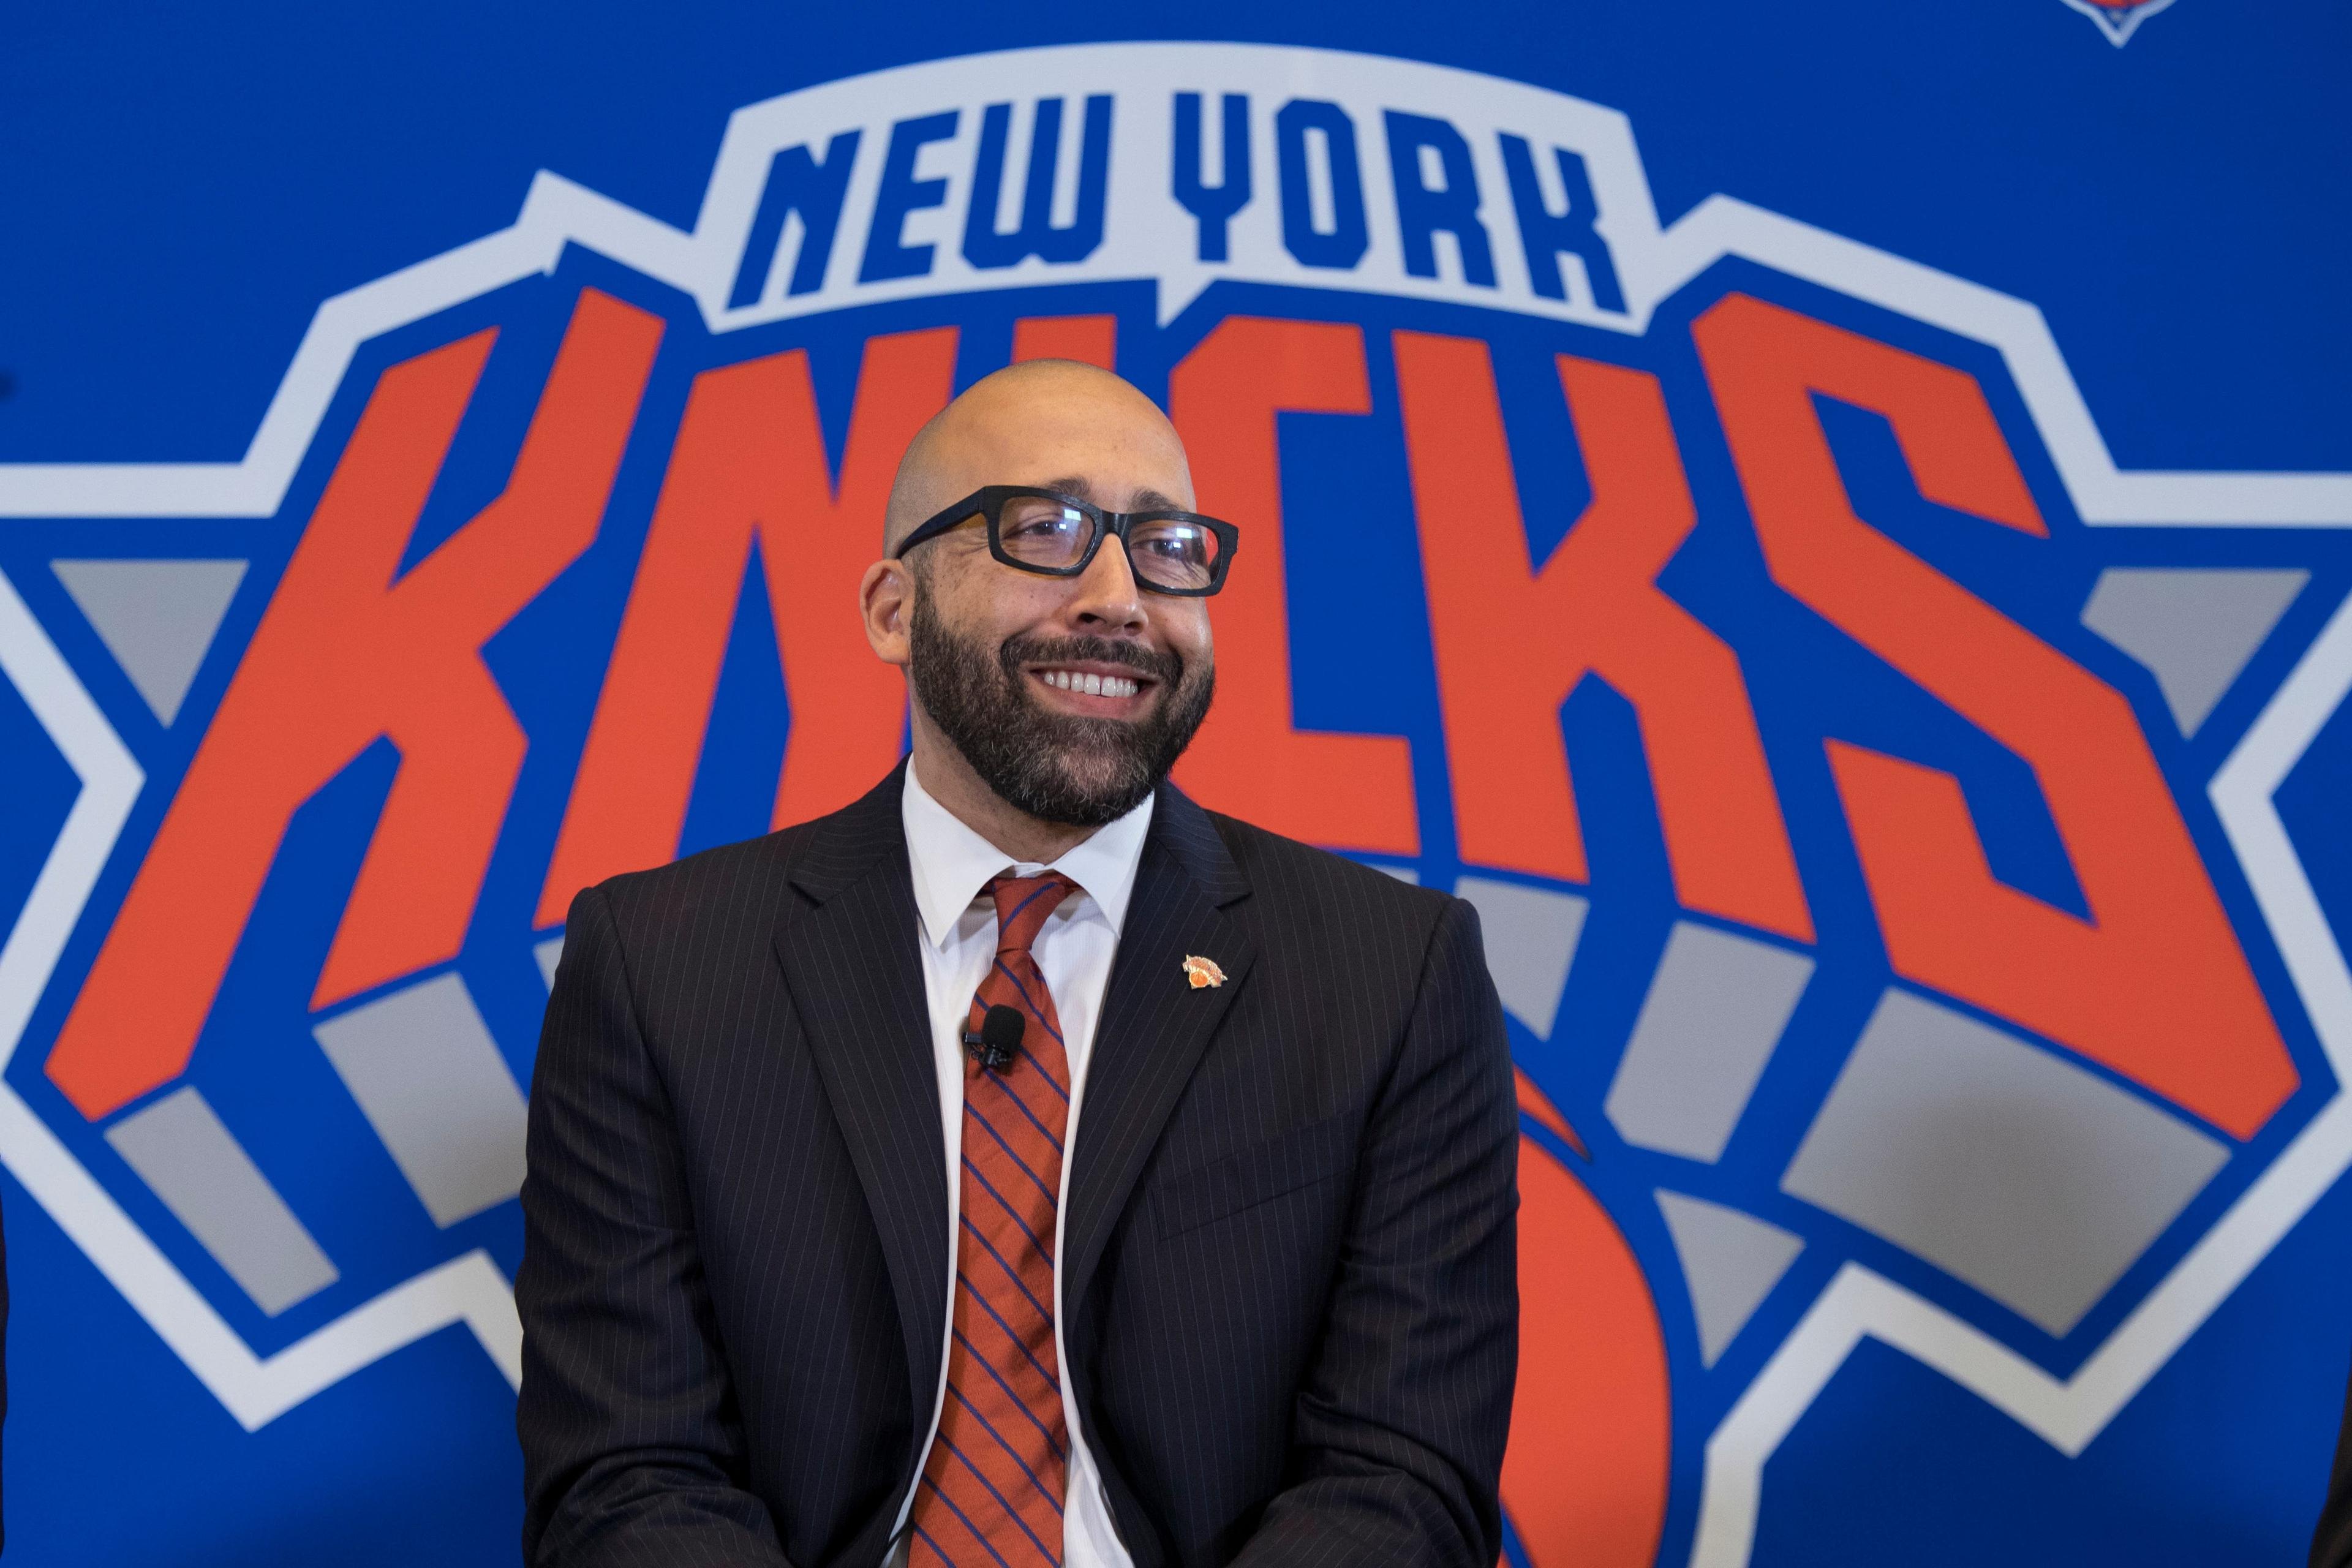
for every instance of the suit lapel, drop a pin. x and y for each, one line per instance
(857, 981)
(1155, 1023)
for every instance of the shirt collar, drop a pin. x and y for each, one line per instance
(952, 864)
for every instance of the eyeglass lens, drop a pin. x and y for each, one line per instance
(1168, 552)
(1045, 532)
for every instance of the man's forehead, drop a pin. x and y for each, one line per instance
(1083, 414)
(1108, 455)
(1110, 495)
(1038, 423)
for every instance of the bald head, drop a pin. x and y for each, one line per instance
(1047, 700)
(1055, 422)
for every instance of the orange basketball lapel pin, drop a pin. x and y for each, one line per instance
(1202, 972)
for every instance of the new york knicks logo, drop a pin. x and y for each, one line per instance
(1874, 799)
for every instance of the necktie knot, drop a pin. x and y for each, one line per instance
(1021, 905)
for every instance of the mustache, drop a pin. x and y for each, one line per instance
(1056, 766)
(1157, 664)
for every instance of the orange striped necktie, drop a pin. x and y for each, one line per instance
(992, 1488)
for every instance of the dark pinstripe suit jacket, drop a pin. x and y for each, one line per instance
(1290, 1288)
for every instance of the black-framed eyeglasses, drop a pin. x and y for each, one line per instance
(1057, 535)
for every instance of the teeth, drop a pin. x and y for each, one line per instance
(1091, 685)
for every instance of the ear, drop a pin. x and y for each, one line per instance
(885, 599)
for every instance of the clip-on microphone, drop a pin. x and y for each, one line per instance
(999, 1040)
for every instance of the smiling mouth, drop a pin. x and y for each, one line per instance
(1094, 691)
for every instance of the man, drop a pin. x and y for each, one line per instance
(2331, 1538)
(808, 1277)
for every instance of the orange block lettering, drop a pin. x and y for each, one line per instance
(1354, 791)
(346, 655)
(1512, 641)
(1090, 339)
(1587, 1468)
(750, 463)
(2154, 984)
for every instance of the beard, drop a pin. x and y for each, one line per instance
(1061, 768)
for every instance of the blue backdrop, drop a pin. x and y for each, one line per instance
(2063, 314)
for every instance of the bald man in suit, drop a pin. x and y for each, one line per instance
(1023, 1165)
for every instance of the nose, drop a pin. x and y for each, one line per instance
(1109, 602)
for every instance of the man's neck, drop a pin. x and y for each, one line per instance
(949, 780)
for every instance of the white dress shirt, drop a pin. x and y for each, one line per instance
(952, 867)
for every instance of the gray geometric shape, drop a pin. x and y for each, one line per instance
(549, 953)
(182, 1150)
(1731, 1260)
(2020, 1174)
(431, 1082)
(1715, 1011)
(1401, 873)
(157, 618)
(1531, 935)
(2194, 629)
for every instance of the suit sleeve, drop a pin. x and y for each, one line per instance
(2331, 1539)
(1397, 1446)
(632, 1453)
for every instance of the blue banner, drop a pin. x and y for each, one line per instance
(1833, 532)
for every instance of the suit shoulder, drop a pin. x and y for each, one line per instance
(754, 873)
(1289, 873)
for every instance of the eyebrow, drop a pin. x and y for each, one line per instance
(1145, 500)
